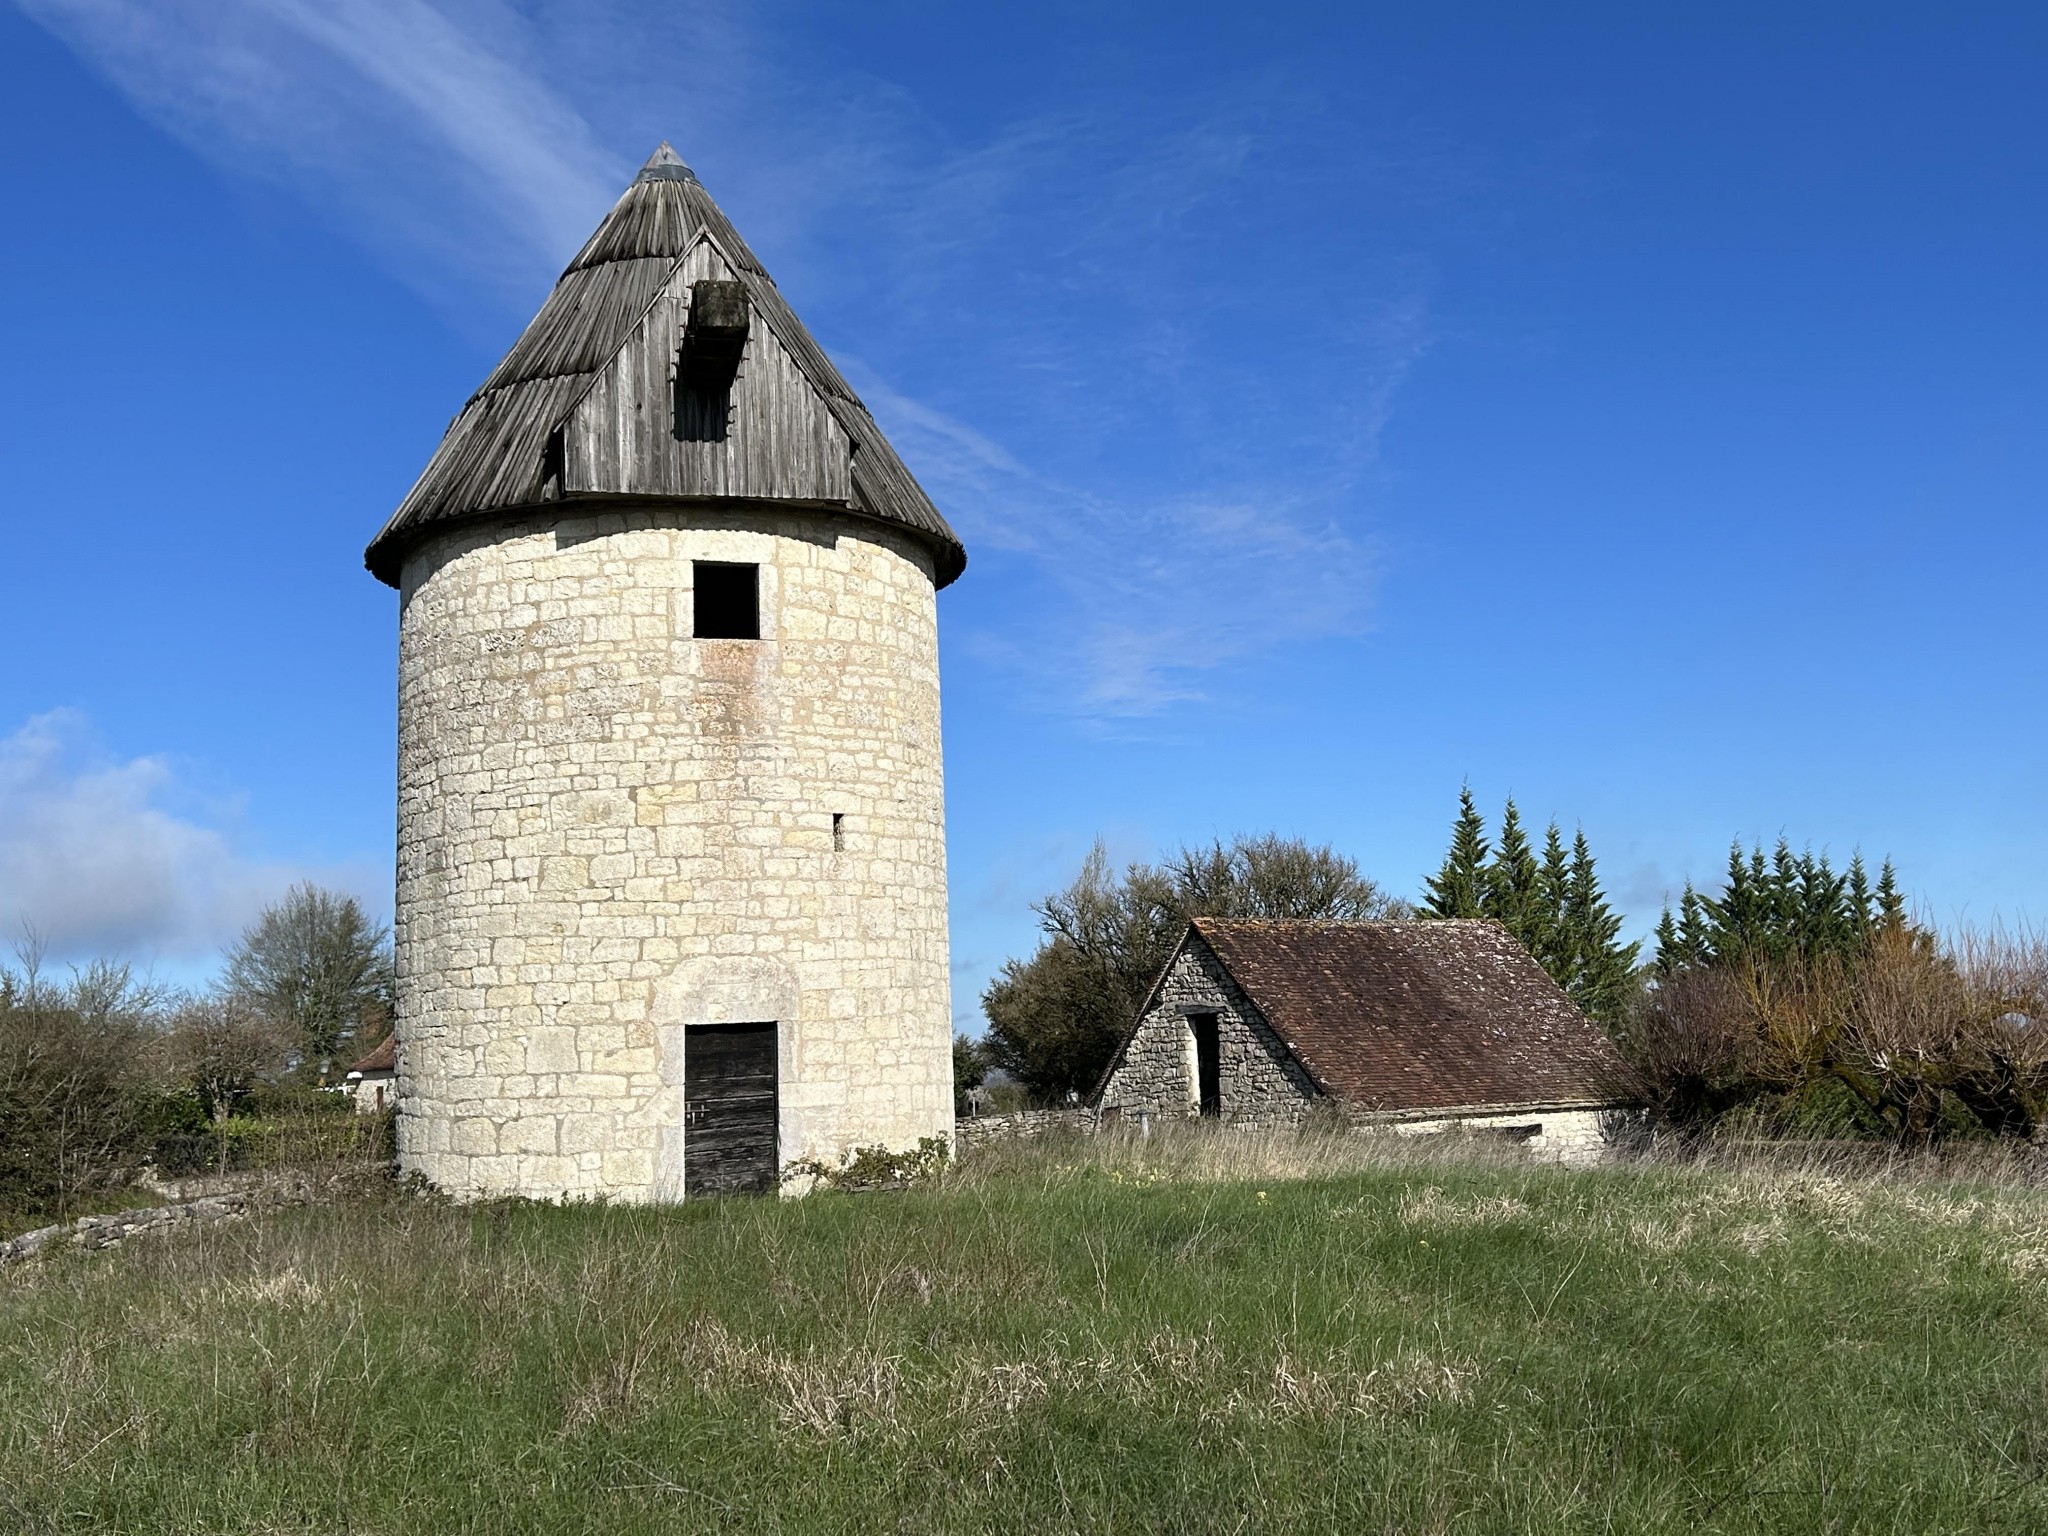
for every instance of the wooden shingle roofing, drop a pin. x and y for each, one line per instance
(494, 457)
(1428, 1015)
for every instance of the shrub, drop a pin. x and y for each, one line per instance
(1906, 1036)
(72, 1103)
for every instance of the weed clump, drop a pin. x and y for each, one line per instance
(873, 1168)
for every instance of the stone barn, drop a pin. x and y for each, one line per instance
(1414, 1025)
(671, 903)
(373, 1081)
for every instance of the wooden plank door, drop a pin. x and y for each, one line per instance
(729, 1108)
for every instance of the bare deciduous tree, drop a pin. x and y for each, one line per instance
(220, 1045)
(314, 964)
(1054, 1019)
(1695, 1042)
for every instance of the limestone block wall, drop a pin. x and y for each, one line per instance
(1564, 1135)
(609, 831)
(1260, 1083)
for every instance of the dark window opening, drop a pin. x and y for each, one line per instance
(714, 341)
(727, 603)
(1208, 1070)
(703, 414)
(838, 832)
(553, 467)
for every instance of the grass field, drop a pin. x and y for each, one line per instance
(1173, 1336)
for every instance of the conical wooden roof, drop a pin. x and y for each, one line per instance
(582, 407)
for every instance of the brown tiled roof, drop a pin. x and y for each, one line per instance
(383, 1059)
(1420, 1015)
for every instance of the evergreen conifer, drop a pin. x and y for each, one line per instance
(1891, 905)
(1513, 891)
(1790, 905)
(1668, 959)
(1560, 952)
(1603, 968)
(1695, 937)
(1861, 901)
(1457, 889)
(1553, 904)
(1743, 919)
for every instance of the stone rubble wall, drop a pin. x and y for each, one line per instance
(1570, 1136)
(610, 830)
(971, 1131)
(94, 1233)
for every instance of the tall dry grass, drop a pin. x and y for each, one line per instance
(1203, 1331)
(1202, 1152)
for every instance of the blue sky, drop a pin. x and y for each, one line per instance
(1635, 408)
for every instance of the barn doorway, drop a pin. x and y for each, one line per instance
(729, 1110)
(1208, 1072)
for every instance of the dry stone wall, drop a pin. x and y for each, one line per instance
(91, 1234)
(609, 831)
(971, 1131)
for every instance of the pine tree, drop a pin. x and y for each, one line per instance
(1559, 954)
(1743, 919)
(1813, 896)
(1553, 904)
(1603, 968)
(1891, 905)
(1790, 906)
(1457, 889)
(1695, 937)
(1860, 901)
(1512, 894)
(1669, 958)
(1682, 943)
(1785, 907)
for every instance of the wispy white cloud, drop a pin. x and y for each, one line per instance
(466, 142)
(1158, 592)
(428, 128)
(1096, 263)
(103, 856)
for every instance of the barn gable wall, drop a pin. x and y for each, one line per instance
(1261, 1085)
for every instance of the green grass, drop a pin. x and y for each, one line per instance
(1174, 1337)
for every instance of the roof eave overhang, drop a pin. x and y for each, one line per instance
(1366, 1116)
(387, 553)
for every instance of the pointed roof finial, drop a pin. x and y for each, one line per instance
(665, 165)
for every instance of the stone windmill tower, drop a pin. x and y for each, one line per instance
(671, 845)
